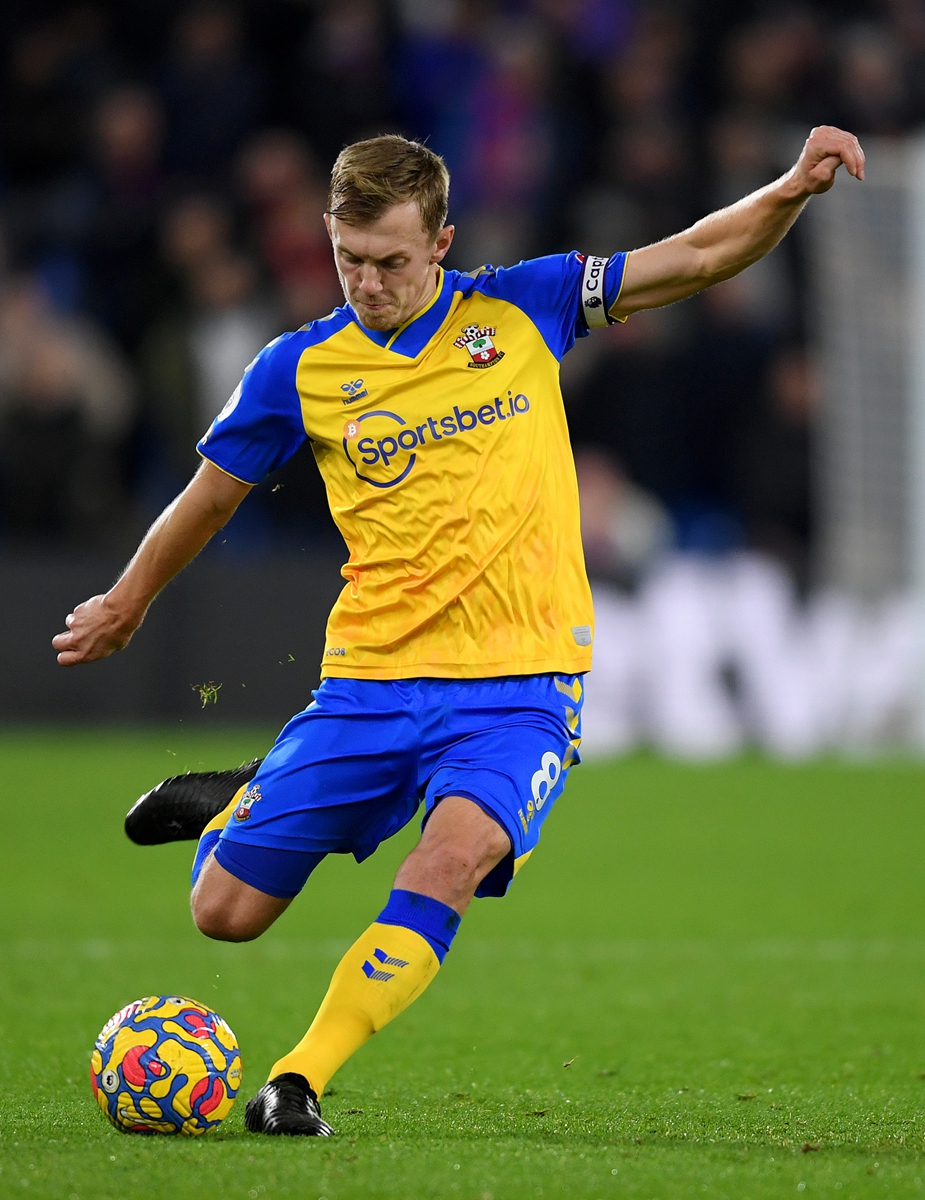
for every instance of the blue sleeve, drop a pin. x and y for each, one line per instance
(548, 290)
(261, 425)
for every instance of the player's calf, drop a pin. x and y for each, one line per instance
(395, 960)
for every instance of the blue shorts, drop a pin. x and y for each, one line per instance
(352, 769)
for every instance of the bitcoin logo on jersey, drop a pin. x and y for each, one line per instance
(387, 445)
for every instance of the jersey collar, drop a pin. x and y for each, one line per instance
(411, 338)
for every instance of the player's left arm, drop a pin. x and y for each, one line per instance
(726, 242)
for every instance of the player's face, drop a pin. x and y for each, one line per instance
(388, 269)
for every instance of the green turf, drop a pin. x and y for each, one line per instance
(731, 958)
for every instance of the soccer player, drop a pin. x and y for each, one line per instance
(453, 662)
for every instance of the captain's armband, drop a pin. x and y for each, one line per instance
(596, 311)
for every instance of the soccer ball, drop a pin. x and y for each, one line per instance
(166, 1064)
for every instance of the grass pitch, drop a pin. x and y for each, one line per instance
(707, 981)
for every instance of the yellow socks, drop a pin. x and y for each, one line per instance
(383, 972)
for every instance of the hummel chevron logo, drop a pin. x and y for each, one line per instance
(372, 972)
(388, 962)
(381, 976)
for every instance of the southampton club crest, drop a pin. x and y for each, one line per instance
(250, 797)
(479, 341)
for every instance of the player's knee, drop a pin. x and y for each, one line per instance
(497, 844)
(221, 922)
(494, 844)
(470, 862)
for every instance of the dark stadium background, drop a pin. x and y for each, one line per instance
(162, 175)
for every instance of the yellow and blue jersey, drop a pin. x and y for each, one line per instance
(445, 454)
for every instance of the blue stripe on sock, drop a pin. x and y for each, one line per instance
(436, 922)
(207, 844)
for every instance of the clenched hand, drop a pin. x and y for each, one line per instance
(825, 150)
(95, 629)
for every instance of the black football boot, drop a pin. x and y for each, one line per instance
(180, 808)
(287, 1105)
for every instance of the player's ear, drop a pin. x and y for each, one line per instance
(443, 243)
(327, 225)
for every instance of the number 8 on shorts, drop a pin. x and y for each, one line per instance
(545, 779)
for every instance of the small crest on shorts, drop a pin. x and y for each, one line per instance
(479, 341)
(250, 797)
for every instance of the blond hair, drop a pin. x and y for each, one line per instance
(370, 177)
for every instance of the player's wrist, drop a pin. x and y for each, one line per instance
(794, 187)
(126, 610)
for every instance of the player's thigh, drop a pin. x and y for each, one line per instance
(340, 779)
(512, 759)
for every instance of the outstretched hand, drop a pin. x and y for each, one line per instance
(95, 629)
(825, 150)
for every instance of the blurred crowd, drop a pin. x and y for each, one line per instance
(162, 179)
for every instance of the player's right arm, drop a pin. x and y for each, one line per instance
(106, 623)
(255, 433)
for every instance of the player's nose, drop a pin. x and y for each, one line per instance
(370, 282)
